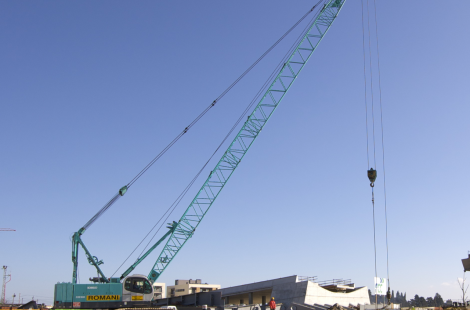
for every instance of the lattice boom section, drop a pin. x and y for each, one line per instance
(246, 136)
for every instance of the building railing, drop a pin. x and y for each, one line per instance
(306, 278)
(326, 282)
(335, 282)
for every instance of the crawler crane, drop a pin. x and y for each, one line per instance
(136, 290)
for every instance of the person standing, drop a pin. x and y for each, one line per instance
(272, 304)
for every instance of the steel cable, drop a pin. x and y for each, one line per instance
(255, 99)
(373, 126)
(216, 100)
(365, 83)
(250, 105)
(116, 197)
(382, 132)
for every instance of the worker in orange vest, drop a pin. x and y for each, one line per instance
(272, 304)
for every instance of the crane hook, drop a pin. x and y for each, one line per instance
(372, 175)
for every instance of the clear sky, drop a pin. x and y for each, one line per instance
(92, 91)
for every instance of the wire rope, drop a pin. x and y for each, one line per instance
(371, 84)
(375, 247)
(382, 133)
(278, 67)
(365, 83)
(215, 101)
(373, 132)
(244, 112)
(373, 127)
(187, 128)
(250, 105)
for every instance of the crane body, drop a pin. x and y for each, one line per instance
(137, 290)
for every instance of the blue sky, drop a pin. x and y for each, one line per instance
(90, 92)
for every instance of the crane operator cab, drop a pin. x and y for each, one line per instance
(136, 288)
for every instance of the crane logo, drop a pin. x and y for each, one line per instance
(102, 297)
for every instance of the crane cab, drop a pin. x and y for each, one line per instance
(136, 288)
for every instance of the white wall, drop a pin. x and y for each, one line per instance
(318, 295)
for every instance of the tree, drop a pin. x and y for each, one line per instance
(422, 302)
(430, 302)
(463, 288)
(438, 301)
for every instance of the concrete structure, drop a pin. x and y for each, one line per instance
(159, 290)
(296, 289)
(289, 291)
(185, 287)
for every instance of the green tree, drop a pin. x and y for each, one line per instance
(430, 302)
(422, 302)
(371, 297)
(438, 301)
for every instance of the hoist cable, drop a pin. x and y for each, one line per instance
(367, 128)
(373, 132)
(375, 247)
(365, 83)
(250, 105)
(382, 129)
(214, 102)
(371, 85)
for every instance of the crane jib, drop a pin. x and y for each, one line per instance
(220, 175)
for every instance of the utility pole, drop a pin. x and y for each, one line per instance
(14, 295)
(4, 286)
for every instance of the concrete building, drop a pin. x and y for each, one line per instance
(185, 287)
(159, 290)
(289, 291)
(300, 290)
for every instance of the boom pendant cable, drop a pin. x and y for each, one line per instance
(173, 206)
(215, 101)
(124, 189)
